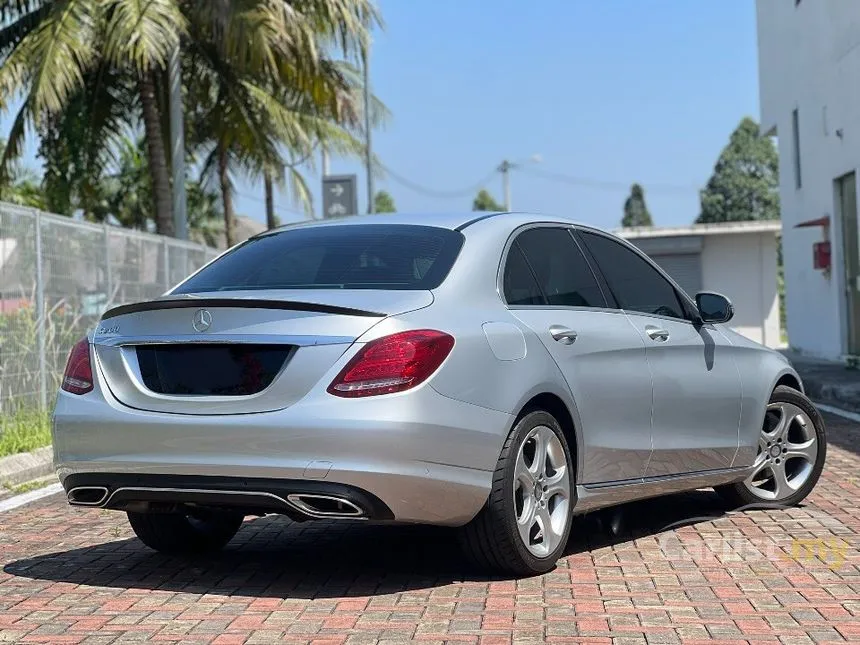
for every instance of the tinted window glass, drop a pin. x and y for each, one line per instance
(519, 282)
(560, 268)
(352, 256)
(635, 284)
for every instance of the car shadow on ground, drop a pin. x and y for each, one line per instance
(842, 433)
(274, 557)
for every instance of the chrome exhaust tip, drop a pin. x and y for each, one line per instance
(325, 506)
(88, 496)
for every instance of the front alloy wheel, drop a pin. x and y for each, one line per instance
(787, 452)
(792, 447)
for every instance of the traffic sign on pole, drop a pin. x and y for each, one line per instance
(340, 196)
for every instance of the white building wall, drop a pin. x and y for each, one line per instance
(743, 268)
(809, 60)
(738, 259)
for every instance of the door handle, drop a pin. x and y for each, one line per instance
(562, 334)
(657, 334)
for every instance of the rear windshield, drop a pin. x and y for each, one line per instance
(357, 256)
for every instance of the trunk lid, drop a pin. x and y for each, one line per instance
(235, 352)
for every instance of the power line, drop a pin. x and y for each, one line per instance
(433, 192)
(605, 184)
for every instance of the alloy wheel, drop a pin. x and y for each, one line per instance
(788, 448)
(541, 491)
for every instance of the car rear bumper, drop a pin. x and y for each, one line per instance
(411, 457)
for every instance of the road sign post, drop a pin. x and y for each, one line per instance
(340, 197)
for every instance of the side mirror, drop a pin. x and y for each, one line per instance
(714, 307)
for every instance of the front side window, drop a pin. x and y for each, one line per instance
(558, 268)
(636, 285)
(349, 256)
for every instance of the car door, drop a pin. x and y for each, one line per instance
(550, 287)
(696, 383)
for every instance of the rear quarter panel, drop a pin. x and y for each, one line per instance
(497, 362)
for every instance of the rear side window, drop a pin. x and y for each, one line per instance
(351, 256)
(520, 285)
(561, 271)
(636, 285)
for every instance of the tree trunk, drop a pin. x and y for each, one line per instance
(226, 195)
(270, 203)
(156, 156)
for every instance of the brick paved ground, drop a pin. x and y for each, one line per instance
(74, 576)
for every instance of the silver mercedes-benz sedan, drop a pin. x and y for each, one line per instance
(496, 372)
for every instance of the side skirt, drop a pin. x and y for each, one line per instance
(594, 496)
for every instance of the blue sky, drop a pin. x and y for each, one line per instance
(614, 91)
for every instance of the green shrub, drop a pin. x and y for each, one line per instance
(23, 431)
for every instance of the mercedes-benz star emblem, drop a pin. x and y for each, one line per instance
(202, 320)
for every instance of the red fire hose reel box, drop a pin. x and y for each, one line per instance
(821, 257)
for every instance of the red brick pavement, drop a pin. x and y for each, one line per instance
(78, 576)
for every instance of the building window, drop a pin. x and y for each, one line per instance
(795, 133)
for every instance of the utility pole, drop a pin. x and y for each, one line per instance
(324, 162)
(177, 150)
(505, 169)
(368, 140)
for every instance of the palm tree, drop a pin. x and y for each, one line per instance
(127, 194)
(21, 186)
(256, 105)
(53, 51)
(97, 69)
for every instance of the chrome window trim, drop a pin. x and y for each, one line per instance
(503, 260)
(682, 295)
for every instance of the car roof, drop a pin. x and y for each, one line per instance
(453, 221)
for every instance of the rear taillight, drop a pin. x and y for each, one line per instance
(78, 377)
(393, 363)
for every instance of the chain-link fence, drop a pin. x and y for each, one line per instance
(57, 276)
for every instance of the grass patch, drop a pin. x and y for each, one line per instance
(26, 487)
(24, 431)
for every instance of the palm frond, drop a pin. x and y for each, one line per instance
(50, 61)
(12, 10)
(380, 115)
(300, 194)
(14, 147)
(346, 23)
(14, 33)
(142, 33)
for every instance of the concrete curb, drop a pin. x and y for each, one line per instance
(26, 466)
(845, 396)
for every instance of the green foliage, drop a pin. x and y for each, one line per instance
(24, 430)
(635, 210)
(259, 87)
(19, 369)
(383, 202)
(86, 143)
(21, 186)
(485, 202)
(26, 487)
(745, 182)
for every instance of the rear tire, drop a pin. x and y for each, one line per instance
(524, 526)
(792, 450)
(177, 533)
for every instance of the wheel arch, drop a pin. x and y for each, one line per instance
(789, 378)
(558, 408)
